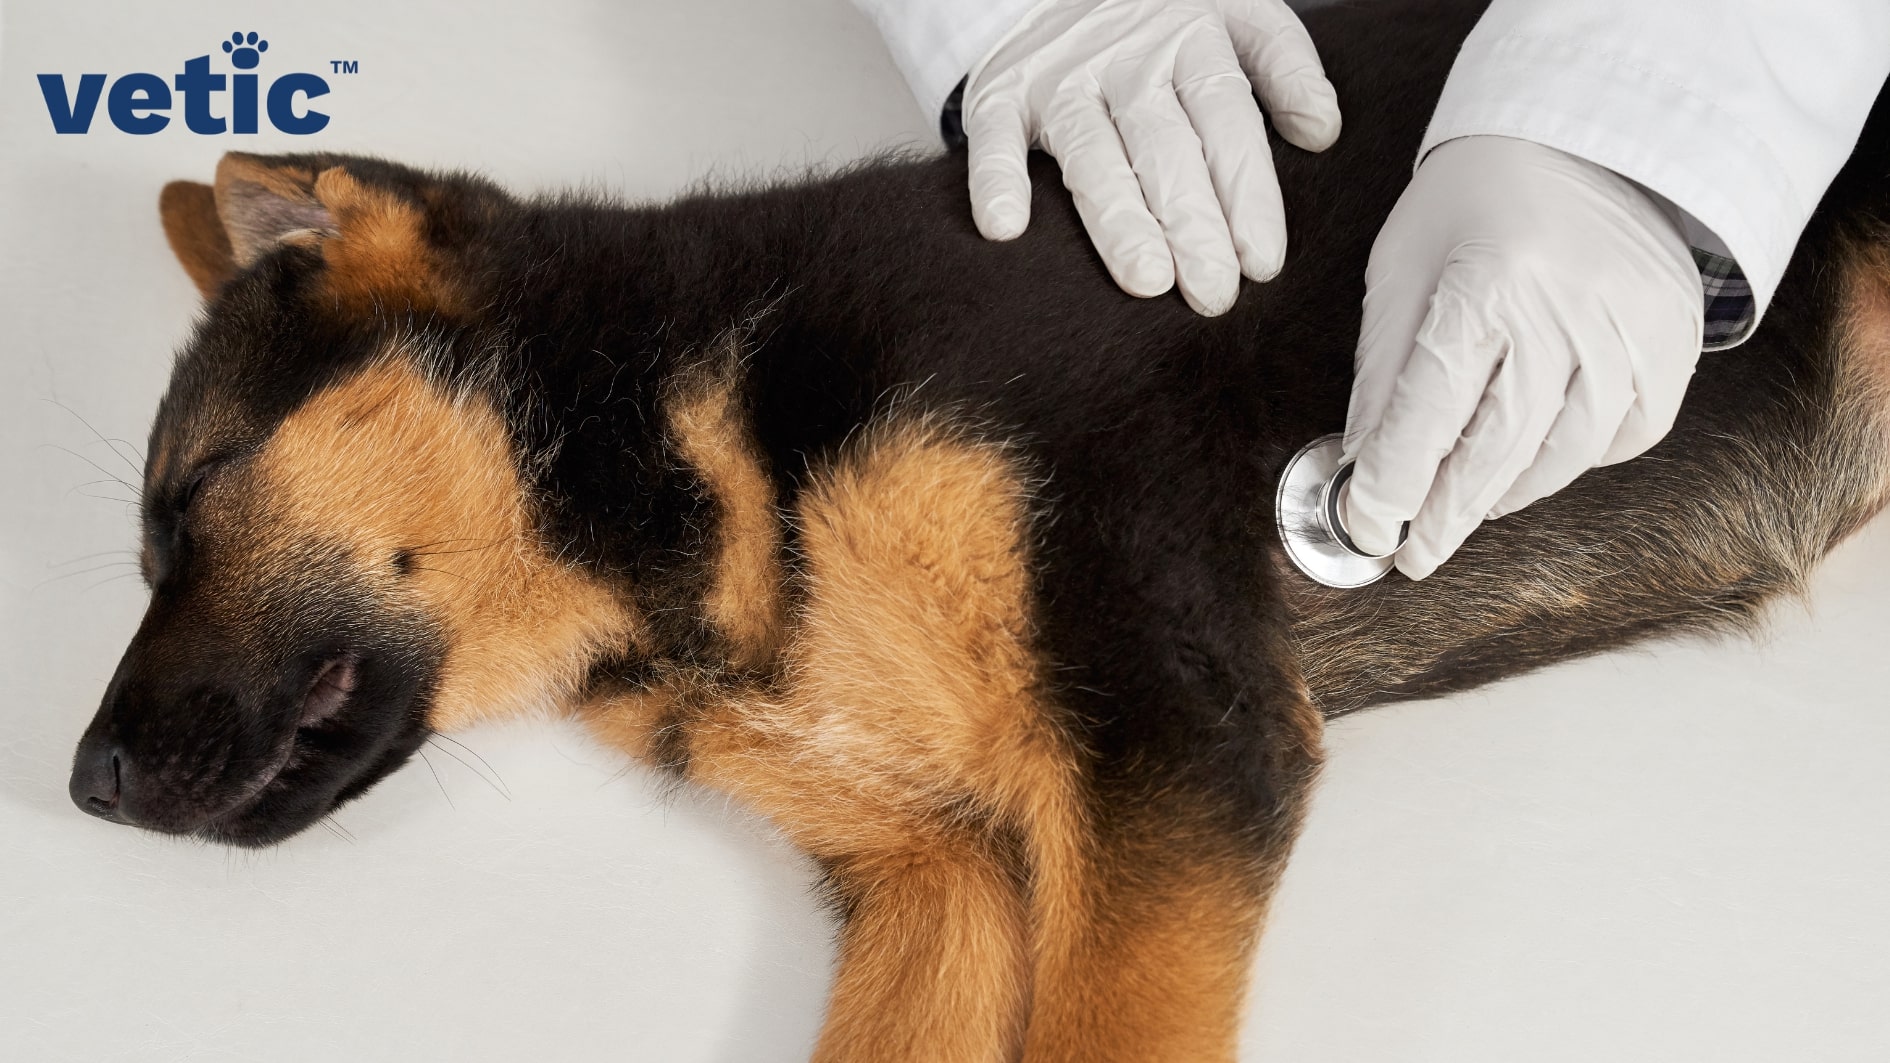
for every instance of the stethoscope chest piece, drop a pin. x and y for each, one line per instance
(1310, 506)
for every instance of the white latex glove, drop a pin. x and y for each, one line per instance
(1148, 105)
(1528, 315)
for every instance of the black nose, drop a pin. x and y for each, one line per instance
(97, 778)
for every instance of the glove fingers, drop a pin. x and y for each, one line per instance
(1432, 398)
(1598, 397)
(1108, 197)
(1220, 105)
(1512, 419)
(1397, 301)
(998, 146)
(1283, 65)
(1171, 166)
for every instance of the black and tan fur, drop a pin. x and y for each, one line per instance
(945, 555)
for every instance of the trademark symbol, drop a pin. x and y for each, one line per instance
(344, 66)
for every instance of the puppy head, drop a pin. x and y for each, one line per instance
(340, 544)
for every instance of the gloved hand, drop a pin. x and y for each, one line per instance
(1528, 315)
(1148, 105)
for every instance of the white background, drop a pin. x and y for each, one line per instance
(1673, 854)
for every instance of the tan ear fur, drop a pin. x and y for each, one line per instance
(189, 213)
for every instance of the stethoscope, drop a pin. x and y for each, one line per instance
(1310, 508)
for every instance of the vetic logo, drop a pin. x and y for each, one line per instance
(139, 103)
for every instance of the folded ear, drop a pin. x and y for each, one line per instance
(265, 202)
(371, 237)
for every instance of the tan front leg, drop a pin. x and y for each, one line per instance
(1158, 972)
(1143, 944)
(933, 960)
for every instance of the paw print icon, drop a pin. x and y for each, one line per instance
(244, 50)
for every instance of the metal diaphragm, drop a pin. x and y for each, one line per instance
(1310, 508)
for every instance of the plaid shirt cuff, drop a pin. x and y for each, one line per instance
(1730, 307)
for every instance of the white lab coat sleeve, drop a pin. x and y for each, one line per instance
(1739, 112)
(935, 43)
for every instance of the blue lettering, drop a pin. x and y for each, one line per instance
(140, 104)
(243, 103)
(68, 115)
(139, 92)
(282, 104)
(197, 83)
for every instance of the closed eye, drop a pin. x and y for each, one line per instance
(165, 531)
(192, 485)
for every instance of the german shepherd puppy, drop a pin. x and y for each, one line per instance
(946, 555)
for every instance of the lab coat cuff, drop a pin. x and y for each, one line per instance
(936, 43)
(1643, 126)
